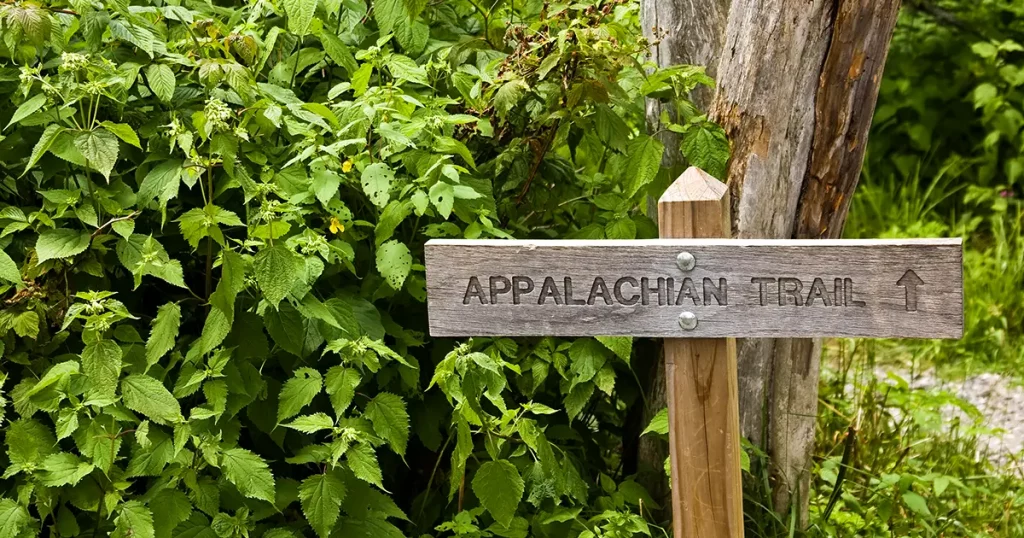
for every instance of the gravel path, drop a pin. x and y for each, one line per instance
(1000, 399)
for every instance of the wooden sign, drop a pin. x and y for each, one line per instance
(686, 288)
(698, 293)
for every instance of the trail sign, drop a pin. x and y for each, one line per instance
(696, 288)
(697, 292)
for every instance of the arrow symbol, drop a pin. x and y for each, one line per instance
(910, 281)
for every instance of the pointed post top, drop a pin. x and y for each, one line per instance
(695, 185)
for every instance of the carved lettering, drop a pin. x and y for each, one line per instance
(549, 289)
(762, 286)
(495, 291)
(848, 293)
(474, 290)
(688, 291)
(720, 292)
(568, 293)
(618, 291)
(599, 289)
(818, 292)
(645, 289)
(521, 285)
(790, 288)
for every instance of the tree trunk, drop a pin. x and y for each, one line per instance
(797, 85)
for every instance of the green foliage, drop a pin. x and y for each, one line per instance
(212, 219)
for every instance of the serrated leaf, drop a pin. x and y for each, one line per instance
(8, 269)
(99, 147)
(509, 95)
(311, 423)
(161, 183)
(101, 363)
(325, 185)
(170, 507)
(659, 423)
(578, 398)
(161, 81)
(134, 520)
(27, 108)
(362, 461)
(300, 15)
(28, 442)
(63, 469)
(643, 160)
(43, 144)
(394, 261)
(500, 488)
(390, 420)
(376, 181)
(14, 519)
(124, 132)
(277, 270)
(341, 386)
(321, 497)
(164, 333)
(706, 147)
(916, 503)
(442, 195)
(61, 243)
(298, 392)
(146, 395)
(249, 473)
(621, 346)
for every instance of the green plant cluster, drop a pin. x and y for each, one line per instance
(213, 217)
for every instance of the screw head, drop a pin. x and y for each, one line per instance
(688, 321)
(686, 261)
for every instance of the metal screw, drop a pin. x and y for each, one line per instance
(686, 261)
(688, 321)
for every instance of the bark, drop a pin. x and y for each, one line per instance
(797, 85)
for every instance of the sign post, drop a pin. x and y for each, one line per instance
(698, 291)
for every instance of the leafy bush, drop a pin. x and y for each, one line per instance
(213, 217)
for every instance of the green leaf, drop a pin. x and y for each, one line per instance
(394, 261)
(321, 496)
(14, 520)
(161, 81)
(916, 503)
(390, 420)
(277, 270)
(311, 423)
(28, 442)
(124, 132)
(249, 473)
(43, 144)
(442, 195)
(643, 160)
(325, 185)
(500, 488)
(99, 148)
(376, 181)
(298, 392)
(170, 507)
(509, 95)
(8, 269)
(27, 108)
(362, 461)
(61, 243)
(341, 386)
(164, 333)
(659, 424)
(161, 183)
(404, 68)
(623, 228)
(101, 362)
(63, 469)
(339, 52)
(26, 324)
(578, 398)
(134, 520)
(300, 14)
(146, 395)
(621, 346)
(707, 148)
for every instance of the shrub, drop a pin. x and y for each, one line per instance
(213, 217)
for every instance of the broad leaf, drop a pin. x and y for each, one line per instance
(61, 243)
(500, 488)
(321, 496)
(249, 473)
(161, 81)
(146, 395)
(394, 261)
(99, 147)
(643, 162)
(376, 181)
(101, 362)
(164, 333)
(277, 271)
(298, 392)
(390, 420)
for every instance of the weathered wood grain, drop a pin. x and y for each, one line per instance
(700, 375)
(868, 270)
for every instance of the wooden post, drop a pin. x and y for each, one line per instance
(703, 401)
